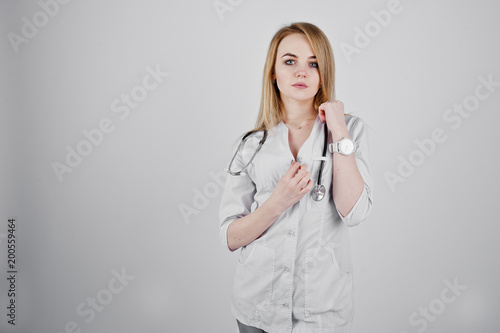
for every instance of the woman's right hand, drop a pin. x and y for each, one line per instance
(294, 184)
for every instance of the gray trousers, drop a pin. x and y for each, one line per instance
(248, 329)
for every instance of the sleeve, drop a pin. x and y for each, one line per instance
(362, 207)
(237, 198)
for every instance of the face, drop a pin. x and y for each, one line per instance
(295, 65)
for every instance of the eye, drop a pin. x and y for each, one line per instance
(287, 61)
(314, 64)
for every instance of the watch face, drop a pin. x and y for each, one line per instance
(346, 146)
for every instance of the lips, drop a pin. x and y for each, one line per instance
(300, 85)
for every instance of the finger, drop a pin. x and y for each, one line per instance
(321, 113)
(308, 186)
(292, 170)
(304, 180)
(301, 172)
(302, 167)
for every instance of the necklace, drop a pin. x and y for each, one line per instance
(300, 125)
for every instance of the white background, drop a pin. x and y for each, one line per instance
(121, 207)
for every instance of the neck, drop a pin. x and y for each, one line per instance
(297, 111)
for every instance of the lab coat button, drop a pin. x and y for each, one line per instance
(299, 159)
(286, 305)
(291, 234)
(287, 269)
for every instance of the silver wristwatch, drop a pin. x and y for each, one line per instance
(345, 146)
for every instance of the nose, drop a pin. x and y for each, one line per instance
(301, 71)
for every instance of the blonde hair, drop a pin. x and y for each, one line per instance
(271, 112)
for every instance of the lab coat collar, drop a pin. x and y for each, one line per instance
(306, 151)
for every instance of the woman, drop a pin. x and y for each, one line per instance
(294, 268)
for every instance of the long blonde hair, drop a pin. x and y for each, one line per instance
(271, 112)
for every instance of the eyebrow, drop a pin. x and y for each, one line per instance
(293, 55)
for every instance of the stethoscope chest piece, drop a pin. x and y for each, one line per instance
(318, 192)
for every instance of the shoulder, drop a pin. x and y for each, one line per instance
(356, 125)
(253, 137)
(352, 120)
(252, 141)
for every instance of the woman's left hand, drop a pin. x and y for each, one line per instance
(333, 113)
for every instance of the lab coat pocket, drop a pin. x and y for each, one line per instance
(327, 286)
(254, 276)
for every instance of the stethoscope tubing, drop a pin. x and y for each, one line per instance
(318, 190)
(325, 145)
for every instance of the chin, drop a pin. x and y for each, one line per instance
(301, 97)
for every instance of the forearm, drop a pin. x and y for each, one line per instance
(245, 230)
(347, 181)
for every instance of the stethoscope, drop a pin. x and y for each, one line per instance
(318, 191)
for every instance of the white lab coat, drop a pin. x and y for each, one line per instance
(297, 277)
